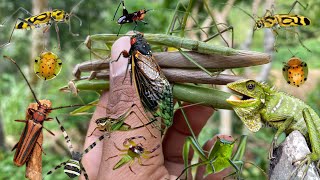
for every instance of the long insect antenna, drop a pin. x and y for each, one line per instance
(245, 12)
(147, 10)
(66, 137)
(72, 14)
(293, 55)
(70, 28)
(61, 107)
(74, 7)
(114, 16)
(80, 21)
(14, 62)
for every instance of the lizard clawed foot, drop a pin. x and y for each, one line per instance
(305, 160)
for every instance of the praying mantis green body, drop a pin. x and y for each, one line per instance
(220, 156)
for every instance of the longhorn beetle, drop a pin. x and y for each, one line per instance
(73, 166)
(33, 127)
(45, 19)
(277, 21)
(129, 18)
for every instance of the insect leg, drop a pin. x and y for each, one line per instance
(18, 10)
(84, 171)
(124, 10)
(140, 163)
(153, 150)
(58, 37)
(66, 137)
(92, 132)
(119, 29)
(114, 16)
(144, 22)
(135, 26)
(48, 119)
(8, 42)
(48, 131)
(121, 150)
(91, 146)
(300, 41)
(132, 161)
(21, 120)
(55, 168)
(298, 2)
(222, 31)
(144, 125)
(41, 148)
(130, 140)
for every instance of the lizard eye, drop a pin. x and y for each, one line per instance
(251, 86)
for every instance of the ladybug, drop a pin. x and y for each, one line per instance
(47, 66)
(295, 71)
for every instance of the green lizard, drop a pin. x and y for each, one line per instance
(262, 104)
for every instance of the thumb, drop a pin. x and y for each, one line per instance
(123, 96)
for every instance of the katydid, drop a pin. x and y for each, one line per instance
(219, 157)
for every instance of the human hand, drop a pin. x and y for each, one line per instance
(169, 163)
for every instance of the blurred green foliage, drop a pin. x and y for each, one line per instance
(97, 18)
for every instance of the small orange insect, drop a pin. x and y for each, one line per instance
(47, 66)
(295, 71)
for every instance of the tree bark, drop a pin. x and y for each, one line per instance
(269, 41)
(39, 39)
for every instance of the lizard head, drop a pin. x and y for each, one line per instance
(248, 105)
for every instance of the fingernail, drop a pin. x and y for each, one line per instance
(118, 68)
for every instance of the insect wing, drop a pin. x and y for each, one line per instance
(149, 81)
(27, 142)
(36, 21)
(289, 20)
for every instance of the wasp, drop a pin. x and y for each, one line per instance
(129, 18)
(73, 167)
(45, 19)
(152, 86)
(34, 125)
(277, 21)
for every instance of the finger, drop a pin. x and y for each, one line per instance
(176, 135)
(207, 147)
(92, 159)
(122, 96)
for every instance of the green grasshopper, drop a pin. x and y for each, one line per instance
(108, 124)
(219, 157)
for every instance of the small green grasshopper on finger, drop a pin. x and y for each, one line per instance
(108, 124)
(133, 150)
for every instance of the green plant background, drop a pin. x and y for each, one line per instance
(97, 18)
